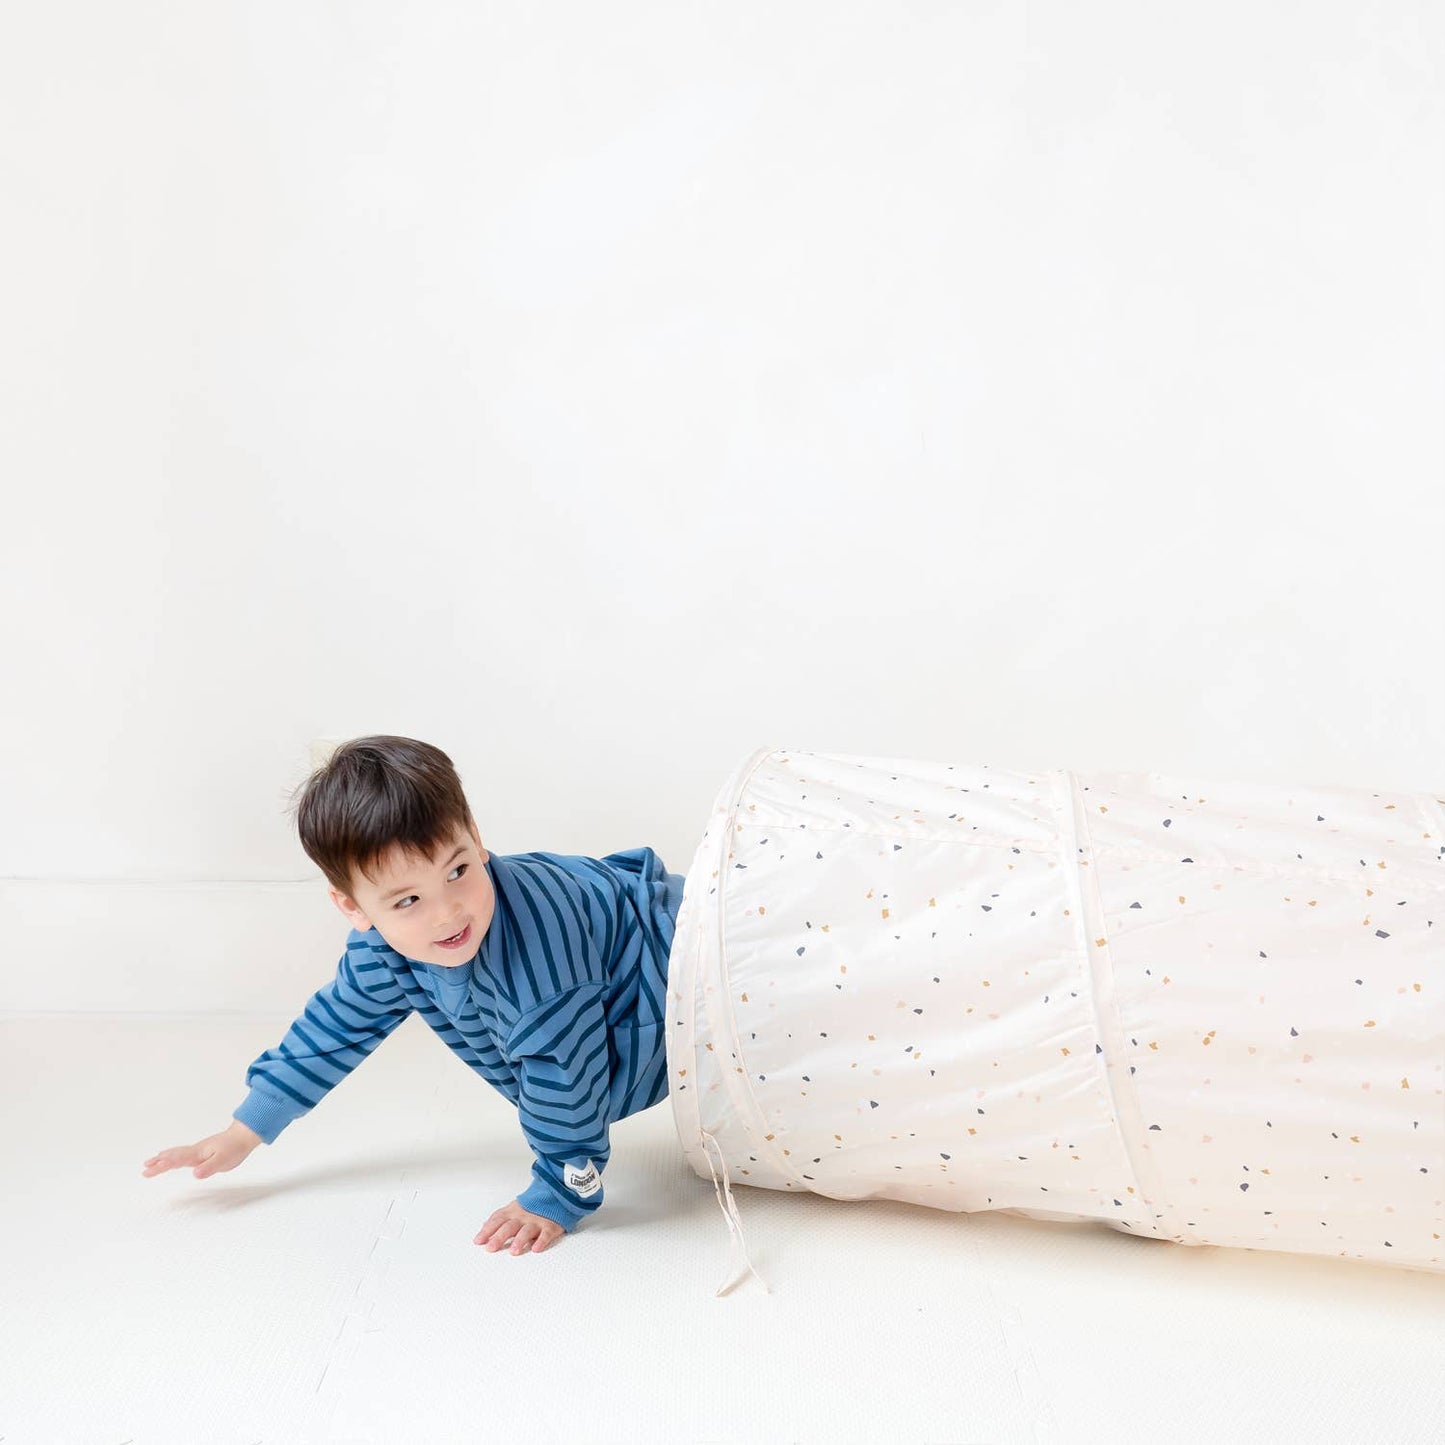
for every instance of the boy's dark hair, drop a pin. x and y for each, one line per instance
(375, 792)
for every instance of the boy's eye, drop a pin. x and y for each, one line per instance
(460, 868)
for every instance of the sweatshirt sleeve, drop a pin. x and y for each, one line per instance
(342, 1023)
(559, 1049)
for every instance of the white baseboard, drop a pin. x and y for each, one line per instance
(138, 947)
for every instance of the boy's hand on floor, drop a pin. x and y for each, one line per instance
(529, 1233)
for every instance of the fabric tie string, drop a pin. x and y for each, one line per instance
(734, 1221)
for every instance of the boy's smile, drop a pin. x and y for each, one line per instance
(416, 905)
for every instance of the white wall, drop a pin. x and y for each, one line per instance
(599, 392)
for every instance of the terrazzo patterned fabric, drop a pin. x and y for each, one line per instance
(1206, 1012)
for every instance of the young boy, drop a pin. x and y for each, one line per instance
(545, 973)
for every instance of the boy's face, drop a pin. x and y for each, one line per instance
(414, 904)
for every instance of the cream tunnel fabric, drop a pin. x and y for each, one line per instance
(1213, 1013)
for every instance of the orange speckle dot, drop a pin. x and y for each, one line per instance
(885, 913)
(1370, 1023)
(1099, 942)
(745, 998)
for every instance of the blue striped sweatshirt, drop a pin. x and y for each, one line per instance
(561, 1011)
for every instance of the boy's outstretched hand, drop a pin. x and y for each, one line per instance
(212, 1155)
(532, 1232)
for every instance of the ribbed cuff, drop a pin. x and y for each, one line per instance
(538, 1199)
(267, 1115)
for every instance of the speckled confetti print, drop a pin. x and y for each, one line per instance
(1212, 1013)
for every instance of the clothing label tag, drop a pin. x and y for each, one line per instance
(582, 1182)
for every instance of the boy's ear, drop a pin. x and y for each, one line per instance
(358, 919)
